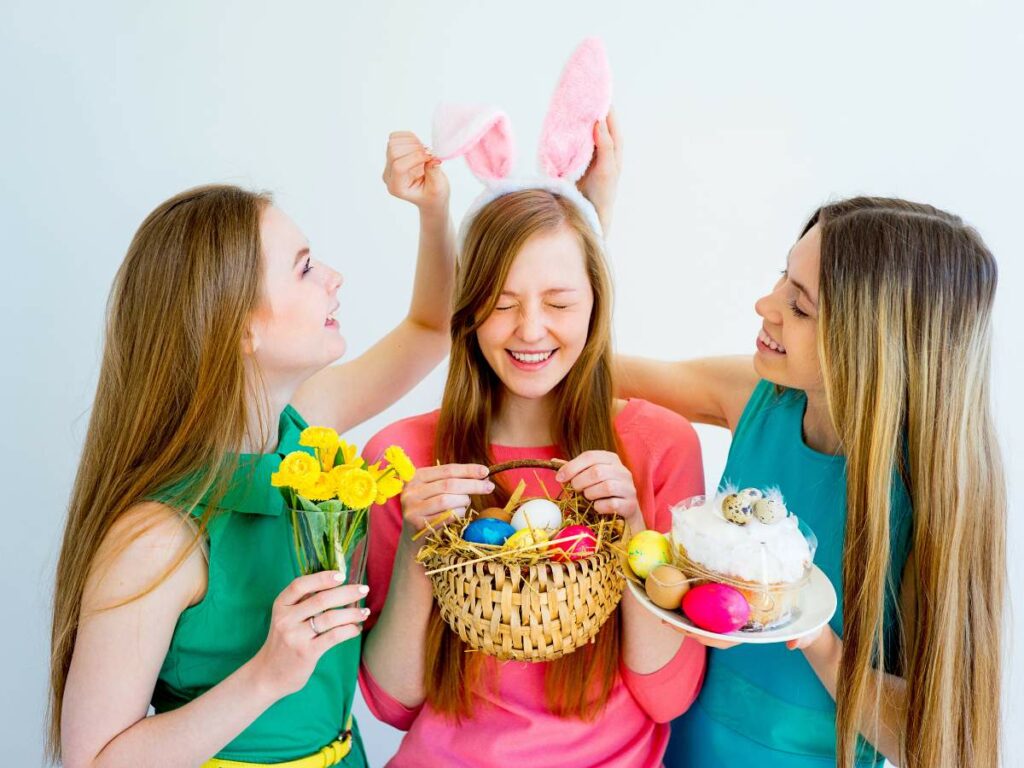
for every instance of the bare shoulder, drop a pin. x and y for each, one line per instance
(151, 544)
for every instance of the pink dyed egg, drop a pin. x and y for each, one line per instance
(716, 608)
(574, 542)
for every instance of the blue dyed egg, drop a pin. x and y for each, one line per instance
(488, 530)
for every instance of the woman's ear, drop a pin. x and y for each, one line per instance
(250, 339)
(582, 98)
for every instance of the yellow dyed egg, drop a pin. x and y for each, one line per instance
(647, 550)
(529, 537)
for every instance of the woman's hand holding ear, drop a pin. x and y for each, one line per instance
(601, 180)
(412, 173)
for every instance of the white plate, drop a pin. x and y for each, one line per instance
(818, 606)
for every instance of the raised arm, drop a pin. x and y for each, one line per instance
(712, 390)
(345, 395)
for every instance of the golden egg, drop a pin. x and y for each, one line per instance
(496, 512)
(666, 585)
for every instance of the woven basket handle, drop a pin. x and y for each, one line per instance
(525, 464)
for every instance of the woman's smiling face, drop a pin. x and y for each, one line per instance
(540, 325)
(787, 345)
(294, 332)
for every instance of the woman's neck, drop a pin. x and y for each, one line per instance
(818, 432)
(524, 422)
(263, 412)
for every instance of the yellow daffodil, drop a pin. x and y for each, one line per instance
(297, 469)
(321, 489)
(388, 487)
(338, 472)
(349, 456)
(357, 489)
(398, 459)
(325, 441)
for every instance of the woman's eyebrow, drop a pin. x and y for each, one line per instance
(549, 291)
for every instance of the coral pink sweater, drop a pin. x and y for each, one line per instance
(511, 724)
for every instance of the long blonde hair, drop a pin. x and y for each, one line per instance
(905, 307)
(579, 684)
(171, 402)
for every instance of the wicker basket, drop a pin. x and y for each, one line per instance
(537, 612)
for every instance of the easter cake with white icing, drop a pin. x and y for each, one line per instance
(748, 540)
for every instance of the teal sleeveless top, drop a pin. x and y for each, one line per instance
(763, 705)
(250, 562)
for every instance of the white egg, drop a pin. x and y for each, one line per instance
(537, 513)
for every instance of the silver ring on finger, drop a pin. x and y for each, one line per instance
(312, 625)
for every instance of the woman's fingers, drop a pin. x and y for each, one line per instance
(612, 127)
(307, 585)
(609, 489)
(410, 165)
(330, 598)
(336, 636)
(615, 506)
(444, 471)
(328, 620)
(584, 461)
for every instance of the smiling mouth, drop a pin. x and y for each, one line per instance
(531, 358)
(766, 341)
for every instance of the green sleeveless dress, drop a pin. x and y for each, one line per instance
(763, 705)
(250, 562)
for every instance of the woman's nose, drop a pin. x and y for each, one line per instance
(531, 327)
(768, 307)
(334, 280)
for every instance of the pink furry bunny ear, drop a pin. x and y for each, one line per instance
(583, 96)
(482, 134)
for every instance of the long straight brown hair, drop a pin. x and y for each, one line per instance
(577, 685)
(906, 295)
(171, 402)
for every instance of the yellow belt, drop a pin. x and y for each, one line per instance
(330, 755)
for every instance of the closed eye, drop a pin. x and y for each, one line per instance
(796, 310)
(307, 266)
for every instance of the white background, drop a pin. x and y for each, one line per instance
(740, 119)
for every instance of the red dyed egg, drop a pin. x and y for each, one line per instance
(574, 542)
(716, 607)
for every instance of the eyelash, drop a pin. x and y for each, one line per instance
(553, 306)
(796, 310)
(307, 267)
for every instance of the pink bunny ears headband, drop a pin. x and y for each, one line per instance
(483, 135)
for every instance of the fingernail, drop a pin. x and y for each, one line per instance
(489, 486)
(339, 576)
(560, 478)
(363, 589)
(366, 612)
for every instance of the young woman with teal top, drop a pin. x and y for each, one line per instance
(176, 585)
(867, 403)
